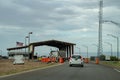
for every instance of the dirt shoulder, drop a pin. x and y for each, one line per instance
(7, 67)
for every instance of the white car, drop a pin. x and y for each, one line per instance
(18, 59)
(76, 60)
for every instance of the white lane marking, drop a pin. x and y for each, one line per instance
(117, 70)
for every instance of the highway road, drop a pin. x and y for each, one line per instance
(64, 72)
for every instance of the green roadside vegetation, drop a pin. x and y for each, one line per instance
(115, 64)
(113, 61)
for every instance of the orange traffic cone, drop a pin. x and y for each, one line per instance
(97, 61)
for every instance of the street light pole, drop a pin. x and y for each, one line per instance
(87, 51)
(29, 37)
(96, 46)
(26, 42)
(86, 60)
(79, 49)
(97, 58)
(118, 47)
(110, 46)
(117, 24)
(29, 43)
(86, 48)
(117, 43)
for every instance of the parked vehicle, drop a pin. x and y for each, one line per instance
(76, 59)
(18, 59)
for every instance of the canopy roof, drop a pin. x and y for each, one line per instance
(53, 43)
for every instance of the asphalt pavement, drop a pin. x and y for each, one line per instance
(64, 72)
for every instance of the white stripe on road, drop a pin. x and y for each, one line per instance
(117, 70)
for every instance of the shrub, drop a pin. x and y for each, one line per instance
(102, 57)
(113, 58)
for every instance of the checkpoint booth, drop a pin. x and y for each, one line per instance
(67, 47)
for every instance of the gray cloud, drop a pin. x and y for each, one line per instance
(54, 14)
(112, 3)
(35, 13)
(69, 20)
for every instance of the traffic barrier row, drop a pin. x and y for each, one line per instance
(86, 60)
(52, 60)
(45, 60)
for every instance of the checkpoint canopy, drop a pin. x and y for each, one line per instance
(61, 45)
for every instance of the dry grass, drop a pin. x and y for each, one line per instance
(7, 67)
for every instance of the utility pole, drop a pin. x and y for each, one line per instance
(100, 49)
(26, 42)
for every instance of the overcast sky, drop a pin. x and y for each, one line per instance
(74, 21)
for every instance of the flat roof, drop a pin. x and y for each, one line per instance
(53, 43)
(14, 48)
